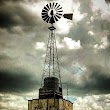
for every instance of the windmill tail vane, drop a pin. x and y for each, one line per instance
(68, 16)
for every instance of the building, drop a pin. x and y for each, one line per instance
(50, 97)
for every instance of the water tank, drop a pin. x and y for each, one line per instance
(51, 83)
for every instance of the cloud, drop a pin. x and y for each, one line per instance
(97, 80)
(4, 57)
(85, 6)
(107, 1)
(20, 20)
(17, 81)
(13, 102)
(39, 45)
(71, 44)
(93, 102)
(14, 13)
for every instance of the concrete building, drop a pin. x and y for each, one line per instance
(50, 104)
(50, 97)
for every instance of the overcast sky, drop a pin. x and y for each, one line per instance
(83, 48)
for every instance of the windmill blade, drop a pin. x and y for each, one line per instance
(44, 18)
(44, 14)
(59, 8)
(68, 16)
(53, 5)
(48, 7)
(60, 11)
(47, 20)
(56, 5)
(59, 14)
(56, 18)
(44, 11)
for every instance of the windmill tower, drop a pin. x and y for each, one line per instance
(50, 93)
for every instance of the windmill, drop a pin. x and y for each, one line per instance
(50, 93)
(51, 13)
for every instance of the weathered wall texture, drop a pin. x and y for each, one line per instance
(42, 104)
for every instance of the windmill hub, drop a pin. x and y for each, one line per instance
(52, 12)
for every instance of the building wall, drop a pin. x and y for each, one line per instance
(42, 104)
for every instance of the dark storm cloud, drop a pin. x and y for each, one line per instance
(108, 1)
(99, 80)
(17, 81)
(96, 81)
(7, 14)
(16, 14)
(4, 1)
(5, 57)
(6, 20)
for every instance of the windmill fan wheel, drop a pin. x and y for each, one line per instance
(52, 12)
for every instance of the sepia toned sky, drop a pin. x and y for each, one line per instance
(83, 48)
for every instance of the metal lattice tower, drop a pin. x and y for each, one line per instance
(51, 13)
(51, 65)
